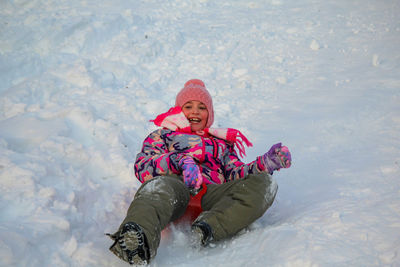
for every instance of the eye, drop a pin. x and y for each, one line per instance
(202, 107)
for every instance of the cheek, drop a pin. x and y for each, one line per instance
(185, 112)
(204, 116)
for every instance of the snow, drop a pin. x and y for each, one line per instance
(81, 79)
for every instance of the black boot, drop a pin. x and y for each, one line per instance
(130, 244)
(201, 234)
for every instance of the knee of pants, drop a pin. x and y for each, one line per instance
(162, 188)
(262, 189)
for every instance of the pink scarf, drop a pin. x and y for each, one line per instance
(174, 119)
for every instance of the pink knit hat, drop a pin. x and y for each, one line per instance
(196, 90)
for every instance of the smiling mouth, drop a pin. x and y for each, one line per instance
(194, 120)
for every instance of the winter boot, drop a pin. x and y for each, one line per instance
(130, 244)
(201, 234)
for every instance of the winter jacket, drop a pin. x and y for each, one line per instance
(217, 158)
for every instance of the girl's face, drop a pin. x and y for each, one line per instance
(197, 114)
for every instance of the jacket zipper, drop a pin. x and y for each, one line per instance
(215, 148)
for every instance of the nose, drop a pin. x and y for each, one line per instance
(196, 110)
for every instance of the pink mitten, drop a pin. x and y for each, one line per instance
(191, 172)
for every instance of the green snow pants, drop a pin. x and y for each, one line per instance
(227, 208)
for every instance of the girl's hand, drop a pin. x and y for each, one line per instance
(277, 157)
(190, 172)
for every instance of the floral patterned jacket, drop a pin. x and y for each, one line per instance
(216, 157)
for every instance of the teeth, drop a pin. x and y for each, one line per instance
(194, 120)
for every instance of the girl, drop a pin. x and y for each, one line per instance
(187, 159)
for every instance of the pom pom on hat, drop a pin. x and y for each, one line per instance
(196, 90)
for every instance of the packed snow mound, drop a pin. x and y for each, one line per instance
(80, 81)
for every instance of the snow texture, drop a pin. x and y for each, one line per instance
(79, 81)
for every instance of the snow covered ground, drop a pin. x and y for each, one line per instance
(79, 81)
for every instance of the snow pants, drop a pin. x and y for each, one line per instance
(227, 208)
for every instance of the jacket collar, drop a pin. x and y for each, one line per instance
(174, 119)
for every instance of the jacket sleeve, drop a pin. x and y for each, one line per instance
(234, 168)
(155, 159)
